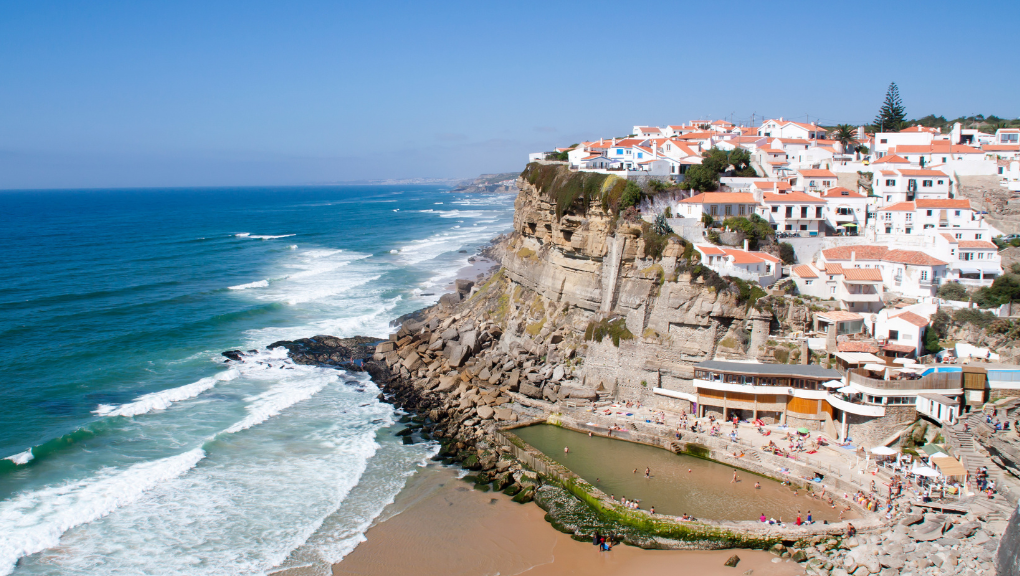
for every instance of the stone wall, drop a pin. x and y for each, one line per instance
(870, 431)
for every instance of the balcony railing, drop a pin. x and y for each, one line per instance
(938, 381)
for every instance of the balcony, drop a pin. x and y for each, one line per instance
(858, 293)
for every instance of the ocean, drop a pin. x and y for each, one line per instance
(129, 446)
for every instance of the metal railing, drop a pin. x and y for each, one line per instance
(938, 381)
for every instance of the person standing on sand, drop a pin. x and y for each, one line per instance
(566, 450)
(734, 481)
(648, 473)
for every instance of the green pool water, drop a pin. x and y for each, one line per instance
(677, 484)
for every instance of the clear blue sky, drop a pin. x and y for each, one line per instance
(114, 94)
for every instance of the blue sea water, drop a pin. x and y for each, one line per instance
(129, 446)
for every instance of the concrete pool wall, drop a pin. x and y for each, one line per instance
(704, 534)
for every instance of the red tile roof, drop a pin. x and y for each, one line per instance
(801, 197)
(817, 174)
(921, 172)
(915, 319)
(772, 185)
(805, 271)
(912, 258)
(919, 128)
(841, 192)
(898, 348)
(710, 249)
(832, 268)
(856, 346)
(721, 198)
(861, 252)
(891, 159)
(1001, 147)
(900, 206)
(862, 274)
(977, 244)
(956, 203)
(936, 147)
(949, 237)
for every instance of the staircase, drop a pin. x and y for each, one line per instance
(973, 456)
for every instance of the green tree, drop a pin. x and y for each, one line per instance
(846, 135)
(940, 322)
(700, 178)
(787, 253)
(740, 159)
(931, 342)
(631, 195)
(1004, 289)
(707, 219)
(953, 291)
(756, 228)
(892, 113)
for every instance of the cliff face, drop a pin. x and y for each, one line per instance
(563, 275)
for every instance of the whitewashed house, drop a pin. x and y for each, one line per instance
(845, 210)
(793, 211)
(912, 273)
(719, 205)
(900, 330)
(972, 263)
(813, 181)
(908, 184)
(787, 129)
(758, 267)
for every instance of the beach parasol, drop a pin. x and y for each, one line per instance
(882, 451)
(833, 383)
(846, 390)
(905, 361)
(925, 471)
(875, 367)
(803, 430)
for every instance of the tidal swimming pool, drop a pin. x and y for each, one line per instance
(677, 484)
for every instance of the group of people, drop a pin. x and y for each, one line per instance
(604, 542)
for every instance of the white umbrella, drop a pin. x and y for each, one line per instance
(846, 390)
(925, 471)
(875, 367)
(905, 361)
(832, 383)
(910, 370)
(882, 451)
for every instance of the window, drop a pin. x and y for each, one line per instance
(894, 334)
(924, 274)
(966, 255)
(818, 212)
(811, 183)
(729, 209)
(789, 211)
(888, 230)
(926, 183)
(803, 226)
(884, 141)
(803, 211)
(957, 213)
(890, 182)
(832, 289)
(640, 155)
(775, 208)
(959, 236)
(943, 161)
(981, 255)
(952, 252)
(977, 236)
(910, 217)
(909, 230)
(928, 213)
(714, 209)
(789, 227)
(940, 182)
(742, 208)
(619, 150)
(809, 282)
(927, 226)
(887, 216)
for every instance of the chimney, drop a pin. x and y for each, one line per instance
(853, 256)
(745, 244)
(655, 150)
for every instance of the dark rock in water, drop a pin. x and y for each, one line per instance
(408, 440)
(464, 286)
(234, 355)
(732, 562)
(462, 251)
(348, 353)
(415, 316)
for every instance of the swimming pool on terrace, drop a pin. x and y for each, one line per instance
(678, 484)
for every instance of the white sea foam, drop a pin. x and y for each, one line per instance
(257, 284)
(34, 521)
(243, 235)
(164, 398)
(267, 237)
(21, 457)
(278, 398)
(292, 246)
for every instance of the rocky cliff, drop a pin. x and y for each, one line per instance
(621, 308)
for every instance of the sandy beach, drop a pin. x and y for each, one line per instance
(439, 525)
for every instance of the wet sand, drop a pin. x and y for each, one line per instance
(440, 525)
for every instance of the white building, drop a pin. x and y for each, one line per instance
(796, 212)
(814, 181)
(856, 289)
(911, 273)
(720, 205)
(908, 184)
(845, 210)
(787, 129)
(758, 267)
(900, 329)
(971, 262)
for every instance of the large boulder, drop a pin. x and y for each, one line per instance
(470, 341)
(458, 354)
(530, 391)
(485, 412)
(577, 392)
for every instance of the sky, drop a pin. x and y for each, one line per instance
(104, 94)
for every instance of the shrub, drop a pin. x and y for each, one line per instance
(655, 242)
(707, 219)
(931, 342)
(1004, 289)
(786, 253)
(953, 291)
(756, 228)
(631, 195)
(615, 329)
(713, 236)
(972, 316)
(747, 293)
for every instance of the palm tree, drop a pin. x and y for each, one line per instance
(846, 135)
